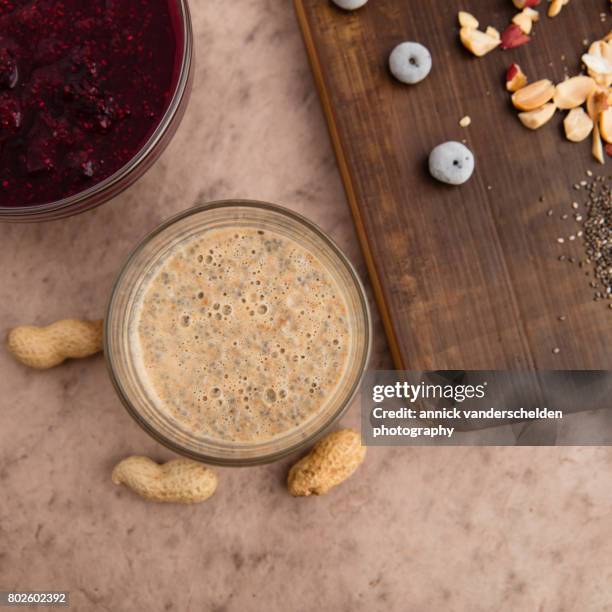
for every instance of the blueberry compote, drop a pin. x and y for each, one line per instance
(83, 84)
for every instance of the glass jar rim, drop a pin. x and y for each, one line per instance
(27, 213)
(342, 406)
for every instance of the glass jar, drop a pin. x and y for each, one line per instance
(146, 156)
(126, 371)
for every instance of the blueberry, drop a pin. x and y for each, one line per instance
(81, 164)
(410, 62)
(87, 168)
(350, 5)
(11, 116)
(107, 112)
(38, 157)
(9, 73)
(82, 63)
(41, 148)
(452, 163)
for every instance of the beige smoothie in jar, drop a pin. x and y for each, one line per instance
(237, 332)
(241, 334)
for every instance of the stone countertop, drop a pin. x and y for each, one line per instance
(417, 529)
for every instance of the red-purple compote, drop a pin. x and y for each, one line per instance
(83, 84)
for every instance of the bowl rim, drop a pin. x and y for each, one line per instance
(26, 213)
(342, 406)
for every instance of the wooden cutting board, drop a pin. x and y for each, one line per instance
(465, 277)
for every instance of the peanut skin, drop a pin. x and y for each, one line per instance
(46, 347)
(332, 460)
(180, 481)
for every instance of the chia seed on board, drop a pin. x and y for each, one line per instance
(595, 234)
(598, 235)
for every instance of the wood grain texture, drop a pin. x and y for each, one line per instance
(465, 277)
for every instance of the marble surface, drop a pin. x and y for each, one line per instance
(416, 529)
